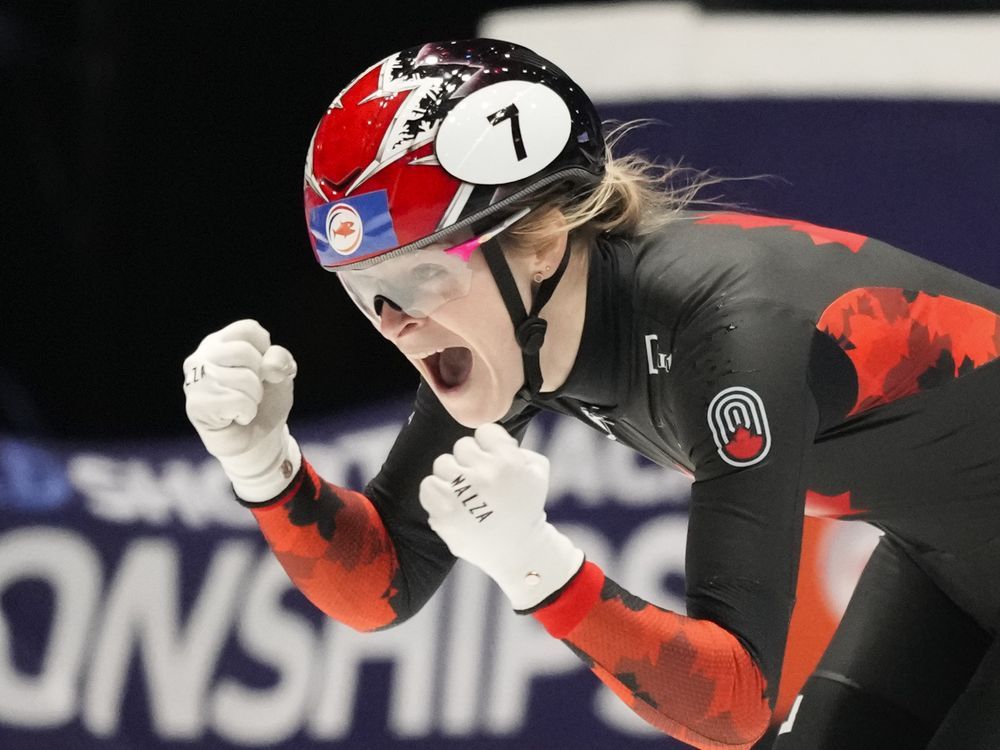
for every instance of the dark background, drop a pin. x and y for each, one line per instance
(151, 159)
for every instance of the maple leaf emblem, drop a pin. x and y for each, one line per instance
(744, 444)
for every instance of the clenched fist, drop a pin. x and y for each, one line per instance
(238, 389)
(486, 500)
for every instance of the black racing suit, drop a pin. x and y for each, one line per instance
(789, 369)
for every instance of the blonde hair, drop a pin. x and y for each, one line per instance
(636, 196)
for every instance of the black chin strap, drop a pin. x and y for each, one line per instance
(529, 329)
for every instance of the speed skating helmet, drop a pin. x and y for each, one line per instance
(438, 138)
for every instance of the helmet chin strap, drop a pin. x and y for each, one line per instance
(529, 329)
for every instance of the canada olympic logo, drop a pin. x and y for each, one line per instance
(344, 229)
(739, 426)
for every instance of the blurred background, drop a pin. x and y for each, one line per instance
(151, 172)
(152, 168)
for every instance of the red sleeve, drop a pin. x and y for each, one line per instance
(690, 678)
(335, 548)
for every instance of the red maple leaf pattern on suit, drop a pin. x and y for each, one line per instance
(335, 548)
(689, 678)
(902, 342)
(819, 235)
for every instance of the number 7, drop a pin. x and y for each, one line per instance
(510, 112)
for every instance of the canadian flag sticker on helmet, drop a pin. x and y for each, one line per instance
(504, 132)
(739, 426)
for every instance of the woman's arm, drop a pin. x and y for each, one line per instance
(335, 549)
(368, 559)
(740, 399)
(689, 678)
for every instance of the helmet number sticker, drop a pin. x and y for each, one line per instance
(504, 132)
(511, 112)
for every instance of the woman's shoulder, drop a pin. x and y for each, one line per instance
(714, 237)
(692, 252)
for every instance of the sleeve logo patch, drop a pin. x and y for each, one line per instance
(739, 426)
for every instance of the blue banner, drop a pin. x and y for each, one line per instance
(142, 609)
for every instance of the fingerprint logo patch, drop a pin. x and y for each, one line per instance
(739, 426)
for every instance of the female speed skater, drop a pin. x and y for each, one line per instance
(467, 199)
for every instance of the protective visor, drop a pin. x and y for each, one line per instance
(420, 281)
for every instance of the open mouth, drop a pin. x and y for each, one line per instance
(449, 367)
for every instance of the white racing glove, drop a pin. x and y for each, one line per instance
(238, 390)
(486, 500)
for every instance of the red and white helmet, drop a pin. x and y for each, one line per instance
(440, 137)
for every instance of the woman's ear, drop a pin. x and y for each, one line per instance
(548, 255)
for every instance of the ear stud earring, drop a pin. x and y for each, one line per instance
(539, 277)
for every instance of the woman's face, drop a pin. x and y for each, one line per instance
(465, 349)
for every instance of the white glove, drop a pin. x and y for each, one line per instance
(238, 390)
(486, 500)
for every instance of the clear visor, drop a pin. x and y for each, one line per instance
(420, 281)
